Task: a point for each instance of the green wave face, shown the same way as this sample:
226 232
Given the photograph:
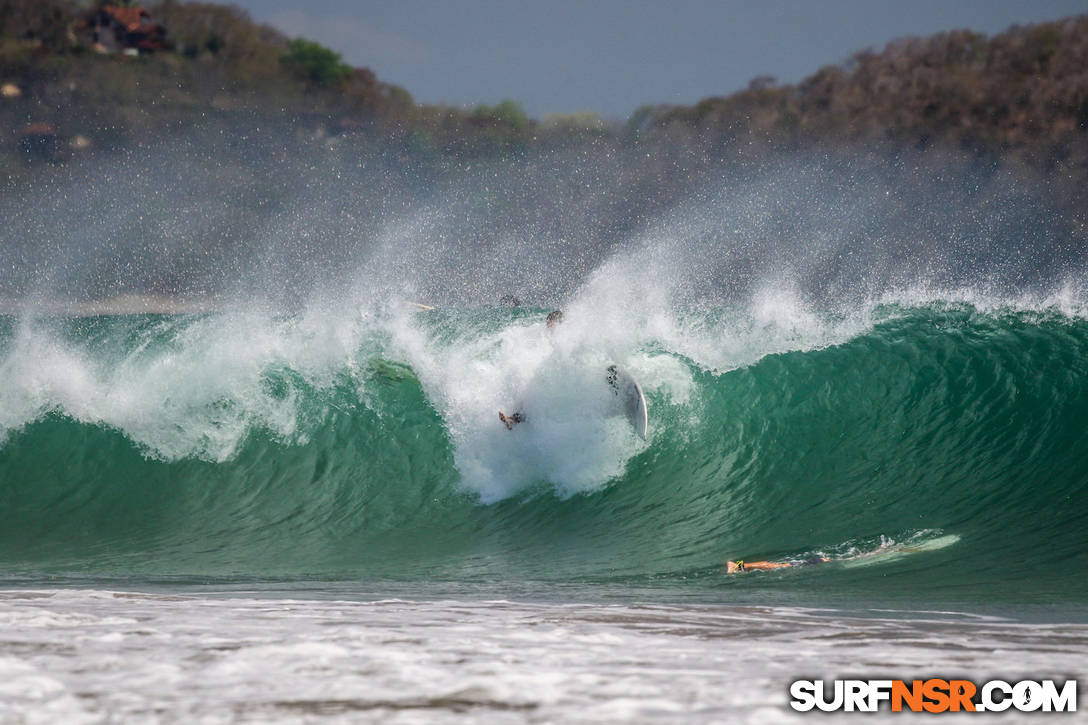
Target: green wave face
366 444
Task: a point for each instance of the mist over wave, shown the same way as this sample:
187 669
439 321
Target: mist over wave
839 228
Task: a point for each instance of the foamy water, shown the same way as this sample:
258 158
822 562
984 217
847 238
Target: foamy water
90 656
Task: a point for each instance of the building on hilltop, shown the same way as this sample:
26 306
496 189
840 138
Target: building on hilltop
112 29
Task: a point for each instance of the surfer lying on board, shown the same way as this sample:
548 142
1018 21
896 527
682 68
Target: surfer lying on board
554 318
735 567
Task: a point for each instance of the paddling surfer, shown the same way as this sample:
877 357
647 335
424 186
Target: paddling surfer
738 566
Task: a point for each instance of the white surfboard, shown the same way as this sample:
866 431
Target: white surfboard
885 554
629 392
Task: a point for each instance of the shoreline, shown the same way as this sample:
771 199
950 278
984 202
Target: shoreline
236 657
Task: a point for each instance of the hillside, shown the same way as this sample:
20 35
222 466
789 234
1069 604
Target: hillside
1024 91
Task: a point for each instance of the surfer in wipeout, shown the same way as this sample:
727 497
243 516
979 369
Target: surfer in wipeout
554 318
511 420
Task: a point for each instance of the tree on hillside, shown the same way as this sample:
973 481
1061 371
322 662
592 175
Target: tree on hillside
316 62
225 32
507 113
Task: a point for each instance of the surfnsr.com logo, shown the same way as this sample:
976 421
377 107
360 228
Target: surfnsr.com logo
933 695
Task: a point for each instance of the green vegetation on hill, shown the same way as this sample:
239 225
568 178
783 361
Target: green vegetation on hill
316 62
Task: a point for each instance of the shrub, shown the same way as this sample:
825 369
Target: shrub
316 62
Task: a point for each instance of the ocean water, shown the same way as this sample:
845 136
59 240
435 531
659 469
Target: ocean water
316 515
